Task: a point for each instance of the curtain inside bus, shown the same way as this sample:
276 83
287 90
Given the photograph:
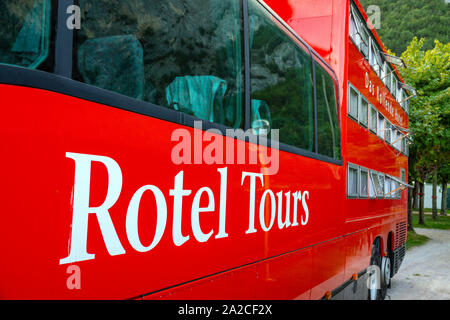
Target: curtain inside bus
191 54
24 32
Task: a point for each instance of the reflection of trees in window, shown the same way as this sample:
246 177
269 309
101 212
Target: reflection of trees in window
25 31
281 76
178 37
327 119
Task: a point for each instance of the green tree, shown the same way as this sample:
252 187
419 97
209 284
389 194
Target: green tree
428 72
401 20
444 177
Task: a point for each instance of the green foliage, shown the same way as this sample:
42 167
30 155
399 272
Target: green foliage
428 71
402 20
442 222
415 240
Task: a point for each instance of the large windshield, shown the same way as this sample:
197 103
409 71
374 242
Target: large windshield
24 32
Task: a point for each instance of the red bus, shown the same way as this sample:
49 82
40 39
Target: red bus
192 149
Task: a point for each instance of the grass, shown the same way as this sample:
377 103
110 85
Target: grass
442 222
415 240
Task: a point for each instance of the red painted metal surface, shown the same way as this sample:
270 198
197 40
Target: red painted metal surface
298 262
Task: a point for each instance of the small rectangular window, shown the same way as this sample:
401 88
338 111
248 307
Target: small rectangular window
353 102
380 126
373 118
381 183
403 144
393 187
363 182
397 141
363 111
387 187
387 79
397 190
383 72
378 183
372 186
387 135
352 180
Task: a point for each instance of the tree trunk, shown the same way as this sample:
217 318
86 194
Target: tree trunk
444 199
410 205
415 196
434 197
421 203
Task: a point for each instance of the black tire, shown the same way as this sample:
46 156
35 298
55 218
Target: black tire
380 294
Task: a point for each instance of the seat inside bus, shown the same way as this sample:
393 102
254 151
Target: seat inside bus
192 54
201 96
25 32
114 63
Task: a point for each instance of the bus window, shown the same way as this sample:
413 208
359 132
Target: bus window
25 32
353 102
388 132
281 77
363 111
373 119
381 126
352 180
327 119
185 54
364 182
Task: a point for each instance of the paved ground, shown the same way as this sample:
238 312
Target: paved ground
425 271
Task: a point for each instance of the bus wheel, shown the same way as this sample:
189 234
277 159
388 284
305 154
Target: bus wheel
386 272
378 284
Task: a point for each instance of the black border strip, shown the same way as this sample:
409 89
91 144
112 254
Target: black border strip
247 76
19 76
316 129
64 41
343 286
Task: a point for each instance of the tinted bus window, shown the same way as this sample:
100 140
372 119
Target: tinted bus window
329 141
181 54
24 32
280 79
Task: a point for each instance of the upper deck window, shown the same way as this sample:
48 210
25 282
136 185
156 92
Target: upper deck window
363 111
388 132
373 118
375 59
25 32
367 44
327 119
352 180
281 79
381 126
353 102
184 55
359 32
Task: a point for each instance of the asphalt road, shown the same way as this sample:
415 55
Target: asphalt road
425 271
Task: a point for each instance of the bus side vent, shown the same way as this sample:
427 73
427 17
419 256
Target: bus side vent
399 254
400 234
400 247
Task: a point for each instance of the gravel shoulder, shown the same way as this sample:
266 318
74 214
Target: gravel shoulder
425 271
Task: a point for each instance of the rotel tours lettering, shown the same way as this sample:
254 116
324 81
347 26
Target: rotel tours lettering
292 202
